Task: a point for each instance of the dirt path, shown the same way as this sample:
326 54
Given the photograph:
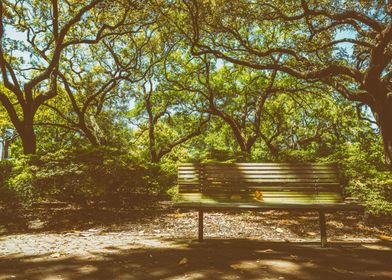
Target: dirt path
157 244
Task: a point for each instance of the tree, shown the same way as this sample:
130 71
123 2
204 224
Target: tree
91 79
29 66
345 45
240 97
164 109
249 91
95 78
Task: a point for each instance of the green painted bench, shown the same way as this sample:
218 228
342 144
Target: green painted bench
262 186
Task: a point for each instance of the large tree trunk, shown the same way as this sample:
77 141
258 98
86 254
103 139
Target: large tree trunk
383 116
89 135
28 137
385 124
25 127
154 157
387 138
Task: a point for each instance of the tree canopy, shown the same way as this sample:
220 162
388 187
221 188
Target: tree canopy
199 80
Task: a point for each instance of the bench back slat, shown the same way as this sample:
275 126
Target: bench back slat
278 182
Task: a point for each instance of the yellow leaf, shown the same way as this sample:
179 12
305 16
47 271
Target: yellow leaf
259 195
384 237
179 215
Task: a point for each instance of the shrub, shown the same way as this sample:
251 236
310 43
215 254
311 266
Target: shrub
6 194
85 176
366 176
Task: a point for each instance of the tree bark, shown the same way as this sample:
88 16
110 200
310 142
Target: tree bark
6 148
28 137
386 132
94 141
383 116
154 158
89 135
151 135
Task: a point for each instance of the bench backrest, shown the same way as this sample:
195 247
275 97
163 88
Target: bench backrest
273 182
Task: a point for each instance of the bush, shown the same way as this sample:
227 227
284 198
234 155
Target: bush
85 176
375 192
5 171
6 194
363 172
366 176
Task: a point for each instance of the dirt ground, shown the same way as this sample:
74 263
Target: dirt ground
157 242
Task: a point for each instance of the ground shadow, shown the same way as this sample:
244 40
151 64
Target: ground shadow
69 218
212 259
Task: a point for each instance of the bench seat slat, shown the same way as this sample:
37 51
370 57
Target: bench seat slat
267 198
264 189
271 206
225 164
235 183
208 166
265 171
225 177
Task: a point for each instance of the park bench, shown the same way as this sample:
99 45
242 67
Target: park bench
262 186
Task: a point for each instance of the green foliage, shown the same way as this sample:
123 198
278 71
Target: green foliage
6 194
366 176
21 181
84 176
173 193
375 192
146 101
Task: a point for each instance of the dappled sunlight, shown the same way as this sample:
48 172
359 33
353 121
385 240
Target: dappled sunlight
379 247
215 259
281 265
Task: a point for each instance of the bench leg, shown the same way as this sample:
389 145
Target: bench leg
323 229
200 225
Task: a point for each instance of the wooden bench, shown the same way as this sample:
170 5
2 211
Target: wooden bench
262 186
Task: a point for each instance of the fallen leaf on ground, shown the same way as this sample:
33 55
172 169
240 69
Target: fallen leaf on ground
183 261
87 269
293 257
384 237
235 266
179 215
311 233
267 251
340 270
279 230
